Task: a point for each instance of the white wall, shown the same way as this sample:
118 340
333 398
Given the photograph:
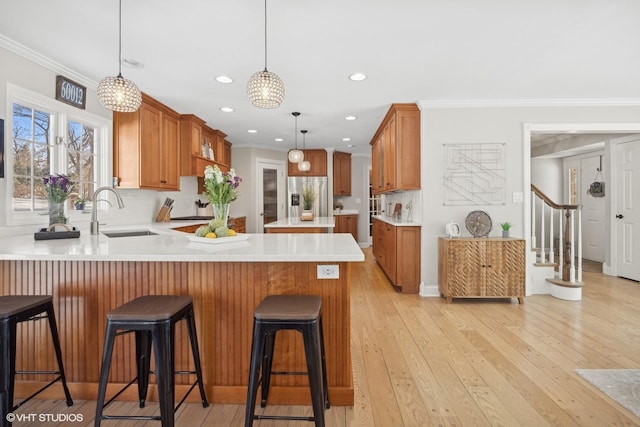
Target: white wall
466 125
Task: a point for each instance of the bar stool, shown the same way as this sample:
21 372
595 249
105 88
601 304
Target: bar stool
297 312
152 318
15 309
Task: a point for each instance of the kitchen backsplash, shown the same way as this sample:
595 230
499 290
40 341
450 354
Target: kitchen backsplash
414 198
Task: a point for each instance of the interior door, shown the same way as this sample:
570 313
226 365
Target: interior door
627 221
270 191
593 211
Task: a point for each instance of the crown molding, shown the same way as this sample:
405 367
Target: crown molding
501 103
37 58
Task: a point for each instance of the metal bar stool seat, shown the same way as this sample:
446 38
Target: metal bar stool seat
15 309
152 318
295 312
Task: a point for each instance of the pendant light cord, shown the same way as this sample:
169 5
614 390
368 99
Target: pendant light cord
120 40
265 35
296 133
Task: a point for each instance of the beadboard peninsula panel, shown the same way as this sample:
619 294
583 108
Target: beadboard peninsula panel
224 294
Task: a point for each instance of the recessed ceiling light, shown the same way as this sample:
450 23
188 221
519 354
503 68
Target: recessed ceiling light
252 131
346 139
357 77
278 139
132 63
226 109
350 118
350 145
224 79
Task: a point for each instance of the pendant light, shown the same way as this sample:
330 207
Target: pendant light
118 93
296 156
265 89
304 165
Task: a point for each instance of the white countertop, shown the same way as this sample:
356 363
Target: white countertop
294 222
170 245
337 212
397 222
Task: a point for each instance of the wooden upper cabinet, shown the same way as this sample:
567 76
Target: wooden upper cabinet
377 164
146 147
396 150
341 174
318 160
193 134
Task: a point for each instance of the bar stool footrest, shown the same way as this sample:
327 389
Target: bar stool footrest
282 417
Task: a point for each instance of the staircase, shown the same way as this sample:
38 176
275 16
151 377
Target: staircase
561 279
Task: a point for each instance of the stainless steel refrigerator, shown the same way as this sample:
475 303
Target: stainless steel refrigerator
319 184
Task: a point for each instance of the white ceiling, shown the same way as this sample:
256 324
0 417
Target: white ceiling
432 50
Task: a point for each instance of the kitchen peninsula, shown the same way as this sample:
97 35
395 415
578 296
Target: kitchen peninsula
93 274
319 224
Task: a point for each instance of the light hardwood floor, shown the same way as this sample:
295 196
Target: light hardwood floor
421 362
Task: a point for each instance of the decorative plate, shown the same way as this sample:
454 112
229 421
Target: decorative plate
478 223
219 240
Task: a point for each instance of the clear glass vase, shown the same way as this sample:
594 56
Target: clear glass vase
56 212
221 211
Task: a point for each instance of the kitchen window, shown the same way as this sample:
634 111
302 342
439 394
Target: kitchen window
48 137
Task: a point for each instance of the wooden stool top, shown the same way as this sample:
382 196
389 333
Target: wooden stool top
289 307
150 308
11 305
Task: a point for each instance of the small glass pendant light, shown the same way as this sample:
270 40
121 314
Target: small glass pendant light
305 165
296 156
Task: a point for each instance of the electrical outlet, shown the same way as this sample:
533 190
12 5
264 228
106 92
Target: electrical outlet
328 272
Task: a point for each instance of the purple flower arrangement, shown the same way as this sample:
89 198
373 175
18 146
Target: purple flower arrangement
222 188
58 187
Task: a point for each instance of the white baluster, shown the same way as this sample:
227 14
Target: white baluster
533 219
572 270
552 255
561 244
543 257
580 244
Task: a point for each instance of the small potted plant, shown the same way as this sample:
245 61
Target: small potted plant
506 226
79 203
308 197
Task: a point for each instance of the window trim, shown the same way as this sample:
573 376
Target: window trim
63 113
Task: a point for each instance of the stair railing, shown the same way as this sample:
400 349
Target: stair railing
570 218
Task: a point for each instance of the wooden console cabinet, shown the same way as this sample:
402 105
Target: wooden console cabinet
397 251
481 268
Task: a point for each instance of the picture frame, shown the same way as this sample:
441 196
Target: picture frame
397 209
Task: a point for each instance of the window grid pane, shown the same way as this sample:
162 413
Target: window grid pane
32 154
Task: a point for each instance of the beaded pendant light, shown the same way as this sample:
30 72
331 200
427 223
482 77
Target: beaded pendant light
118 93
304 165
265 89
296 156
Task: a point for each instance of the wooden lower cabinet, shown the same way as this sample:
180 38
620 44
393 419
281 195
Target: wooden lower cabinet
481 268
397 251
347 224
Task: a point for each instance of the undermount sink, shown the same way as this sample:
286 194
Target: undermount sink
129 233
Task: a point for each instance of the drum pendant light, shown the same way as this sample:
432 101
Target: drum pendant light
118 93
305 165
296 156
265 89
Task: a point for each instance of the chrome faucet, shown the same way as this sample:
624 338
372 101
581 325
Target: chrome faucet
95 226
